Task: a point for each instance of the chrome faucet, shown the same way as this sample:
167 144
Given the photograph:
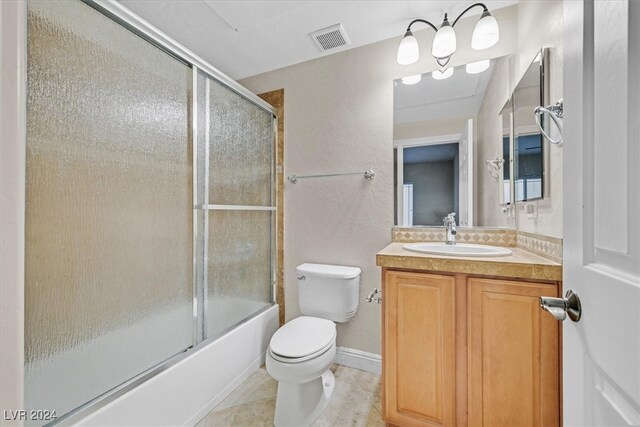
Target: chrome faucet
450 224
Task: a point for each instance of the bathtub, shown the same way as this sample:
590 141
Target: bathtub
185 392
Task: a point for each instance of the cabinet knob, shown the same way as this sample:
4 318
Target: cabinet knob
561 307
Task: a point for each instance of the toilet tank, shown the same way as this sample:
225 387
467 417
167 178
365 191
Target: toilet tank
328 291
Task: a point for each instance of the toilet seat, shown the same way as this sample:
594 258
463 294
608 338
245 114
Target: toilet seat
302 338
285 359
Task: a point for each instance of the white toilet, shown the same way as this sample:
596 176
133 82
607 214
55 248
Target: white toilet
301 352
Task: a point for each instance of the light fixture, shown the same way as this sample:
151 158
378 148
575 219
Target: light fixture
441 75
408 51
477 67
444 42
485 34
411 80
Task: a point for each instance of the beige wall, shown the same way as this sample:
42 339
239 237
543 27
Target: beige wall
540 24
339 118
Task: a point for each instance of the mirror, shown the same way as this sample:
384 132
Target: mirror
529 149
506 114
450 151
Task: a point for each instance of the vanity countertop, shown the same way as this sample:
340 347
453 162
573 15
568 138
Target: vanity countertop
521 264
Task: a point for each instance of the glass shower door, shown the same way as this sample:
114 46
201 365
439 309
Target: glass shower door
109 264
236 141
138 248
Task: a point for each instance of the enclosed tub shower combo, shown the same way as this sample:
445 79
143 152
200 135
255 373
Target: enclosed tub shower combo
150 217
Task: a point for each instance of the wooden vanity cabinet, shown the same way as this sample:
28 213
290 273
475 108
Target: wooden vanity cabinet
419 349
461 350
513 352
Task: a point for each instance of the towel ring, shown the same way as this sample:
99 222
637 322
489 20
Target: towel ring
555 112
494 166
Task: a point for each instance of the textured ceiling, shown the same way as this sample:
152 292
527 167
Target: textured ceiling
245 38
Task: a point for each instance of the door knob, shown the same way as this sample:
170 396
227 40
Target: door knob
560 307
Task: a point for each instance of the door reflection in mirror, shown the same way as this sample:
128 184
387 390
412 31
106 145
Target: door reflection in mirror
430 183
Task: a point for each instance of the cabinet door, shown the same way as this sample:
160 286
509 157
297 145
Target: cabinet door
418 349
513 355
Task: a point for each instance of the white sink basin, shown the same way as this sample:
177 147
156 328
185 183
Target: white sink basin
459 249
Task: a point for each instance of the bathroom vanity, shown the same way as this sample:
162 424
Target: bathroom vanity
464 341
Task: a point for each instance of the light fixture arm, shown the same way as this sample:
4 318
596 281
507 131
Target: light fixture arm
484 9
442 62
424 22
485 34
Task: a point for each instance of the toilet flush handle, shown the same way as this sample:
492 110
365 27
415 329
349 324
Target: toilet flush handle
372 296
302 278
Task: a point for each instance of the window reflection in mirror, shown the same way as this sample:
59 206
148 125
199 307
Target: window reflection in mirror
528 168
444 131
506 175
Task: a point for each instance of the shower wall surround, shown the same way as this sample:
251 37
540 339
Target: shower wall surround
276 99
116 215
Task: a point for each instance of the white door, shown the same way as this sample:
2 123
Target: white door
407 213
465 183
601 352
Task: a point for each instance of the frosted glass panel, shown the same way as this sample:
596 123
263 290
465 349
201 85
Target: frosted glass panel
241 140
109 206
202 136
239 267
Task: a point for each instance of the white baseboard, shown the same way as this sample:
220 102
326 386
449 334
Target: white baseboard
357 359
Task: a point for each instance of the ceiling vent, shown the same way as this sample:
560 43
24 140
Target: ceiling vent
330 38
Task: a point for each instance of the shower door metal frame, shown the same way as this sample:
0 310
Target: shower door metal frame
142 28
118 13
206 207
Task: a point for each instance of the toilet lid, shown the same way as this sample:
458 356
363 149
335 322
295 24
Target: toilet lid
303 336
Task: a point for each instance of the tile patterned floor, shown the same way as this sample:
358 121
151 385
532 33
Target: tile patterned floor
355 402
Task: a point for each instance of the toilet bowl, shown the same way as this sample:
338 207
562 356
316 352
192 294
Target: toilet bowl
301 352
299 357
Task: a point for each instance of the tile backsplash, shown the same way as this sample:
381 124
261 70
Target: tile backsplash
545 246
480 236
